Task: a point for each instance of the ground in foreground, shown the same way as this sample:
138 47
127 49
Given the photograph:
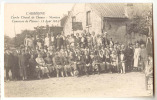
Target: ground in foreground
103 85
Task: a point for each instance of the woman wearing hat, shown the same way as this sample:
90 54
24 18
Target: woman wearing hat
41 64
34 71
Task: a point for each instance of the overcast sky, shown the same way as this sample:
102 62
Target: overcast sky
54 10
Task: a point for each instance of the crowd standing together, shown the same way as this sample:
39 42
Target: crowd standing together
74 55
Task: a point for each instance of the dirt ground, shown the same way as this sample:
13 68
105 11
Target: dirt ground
103 85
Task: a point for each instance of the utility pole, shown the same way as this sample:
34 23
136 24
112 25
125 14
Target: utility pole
15 34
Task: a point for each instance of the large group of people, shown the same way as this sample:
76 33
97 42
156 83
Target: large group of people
74 55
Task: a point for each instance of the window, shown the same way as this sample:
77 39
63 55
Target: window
73 19
129 4
88 18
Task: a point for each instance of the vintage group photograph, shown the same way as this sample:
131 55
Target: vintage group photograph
78 50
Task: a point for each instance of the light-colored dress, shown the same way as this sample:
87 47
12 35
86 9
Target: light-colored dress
136 56
41 65
47 42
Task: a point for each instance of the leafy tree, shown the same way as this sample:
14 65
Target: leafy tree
8 42
19 39
140 20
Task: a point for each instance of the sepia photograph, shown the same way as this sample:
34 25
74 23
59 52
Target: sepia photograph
78 50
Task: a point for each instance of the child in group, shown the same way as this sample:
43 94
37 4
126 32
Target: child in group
114 61
76 72
122 59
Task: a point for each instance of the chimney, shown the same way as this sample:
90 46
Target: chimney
128 10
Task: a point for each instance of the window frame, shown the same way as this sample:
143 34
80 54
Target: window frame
88 18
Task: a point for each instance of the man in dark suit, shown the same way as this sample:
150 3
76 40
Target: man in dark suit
59 39
77 40
7 63
129 57
15 67
80 62
87 63
23 63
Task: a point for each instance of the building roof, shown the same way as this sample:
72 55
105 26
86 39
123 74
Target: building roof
113 10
